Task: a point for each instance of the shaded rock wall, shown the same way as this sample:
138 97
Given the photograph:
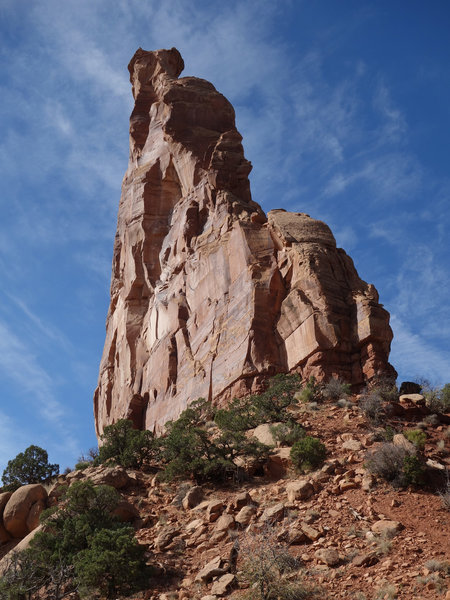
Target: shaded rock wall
208 295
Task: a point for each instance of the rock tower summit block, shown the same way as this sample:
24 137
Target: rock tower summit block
208 295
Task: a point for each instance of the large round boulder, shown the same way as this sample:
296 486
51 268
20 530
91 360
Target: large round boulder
4 497
4 535
18 507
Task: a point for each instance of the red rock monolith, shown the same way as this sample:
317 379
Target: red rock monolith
208 295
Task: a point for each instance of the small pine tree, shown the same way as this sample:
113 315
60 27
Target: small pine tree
308 453
189 449
112 564
30 466
126 446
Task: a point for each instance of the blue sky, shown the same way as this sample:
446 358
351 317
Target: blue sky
344 108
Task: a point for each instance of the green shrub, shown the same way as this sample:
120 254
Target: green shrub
191 450
85 461
445 397
30 466
80 466
22 577
308 453
335 389
386 388
385 434
81 531
372 405
396 465
416 437
438 400
238 416
270 406
126 446
287 433
413 470
268 567
311 391
66 531
112 564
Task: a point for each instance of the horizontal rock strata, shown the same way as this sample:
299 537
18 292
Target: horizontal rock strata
209 295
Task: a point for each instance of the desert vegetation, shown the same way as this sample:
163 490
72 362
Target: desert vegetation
29 466
83 550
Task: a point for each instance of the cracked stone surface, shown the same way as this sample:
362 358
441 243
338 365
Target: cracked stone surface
208 295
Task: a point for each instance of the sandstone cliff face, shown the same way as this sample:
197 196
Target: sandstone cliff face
207 294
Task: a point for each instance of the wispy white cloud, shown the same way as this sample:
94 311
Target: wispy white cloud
36 387
20 364
58 119
346 236
414 357
389 177
394 123
48 331
13 439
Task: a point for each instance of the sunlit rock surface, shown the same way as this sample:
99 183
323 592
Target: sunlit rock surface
208 295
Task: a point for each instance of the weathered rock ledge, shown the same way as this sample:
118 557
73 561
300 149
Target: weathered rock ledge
208 295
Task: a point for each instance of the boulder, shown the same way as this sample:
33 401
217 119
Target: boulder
352 445
18 508
400 441
415 398
301 489
165 537
22 545
386 527
214 510
409 388
116 476
224 584
4 535
242 500
273 513
264 434
4 497
195 524
311 533
245 515
434 464
366 559
295 535
34 514
328 556
213 569
224 523
193 497
278 463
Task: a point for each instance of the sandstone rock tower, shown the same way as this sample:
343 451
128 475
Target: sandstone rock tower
208 295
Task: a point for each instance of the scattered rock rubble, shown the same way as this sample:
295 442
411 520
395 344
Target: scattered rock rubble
350 532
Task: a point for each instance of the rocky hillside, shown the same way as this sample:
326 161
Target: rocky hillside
208 295
353 534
